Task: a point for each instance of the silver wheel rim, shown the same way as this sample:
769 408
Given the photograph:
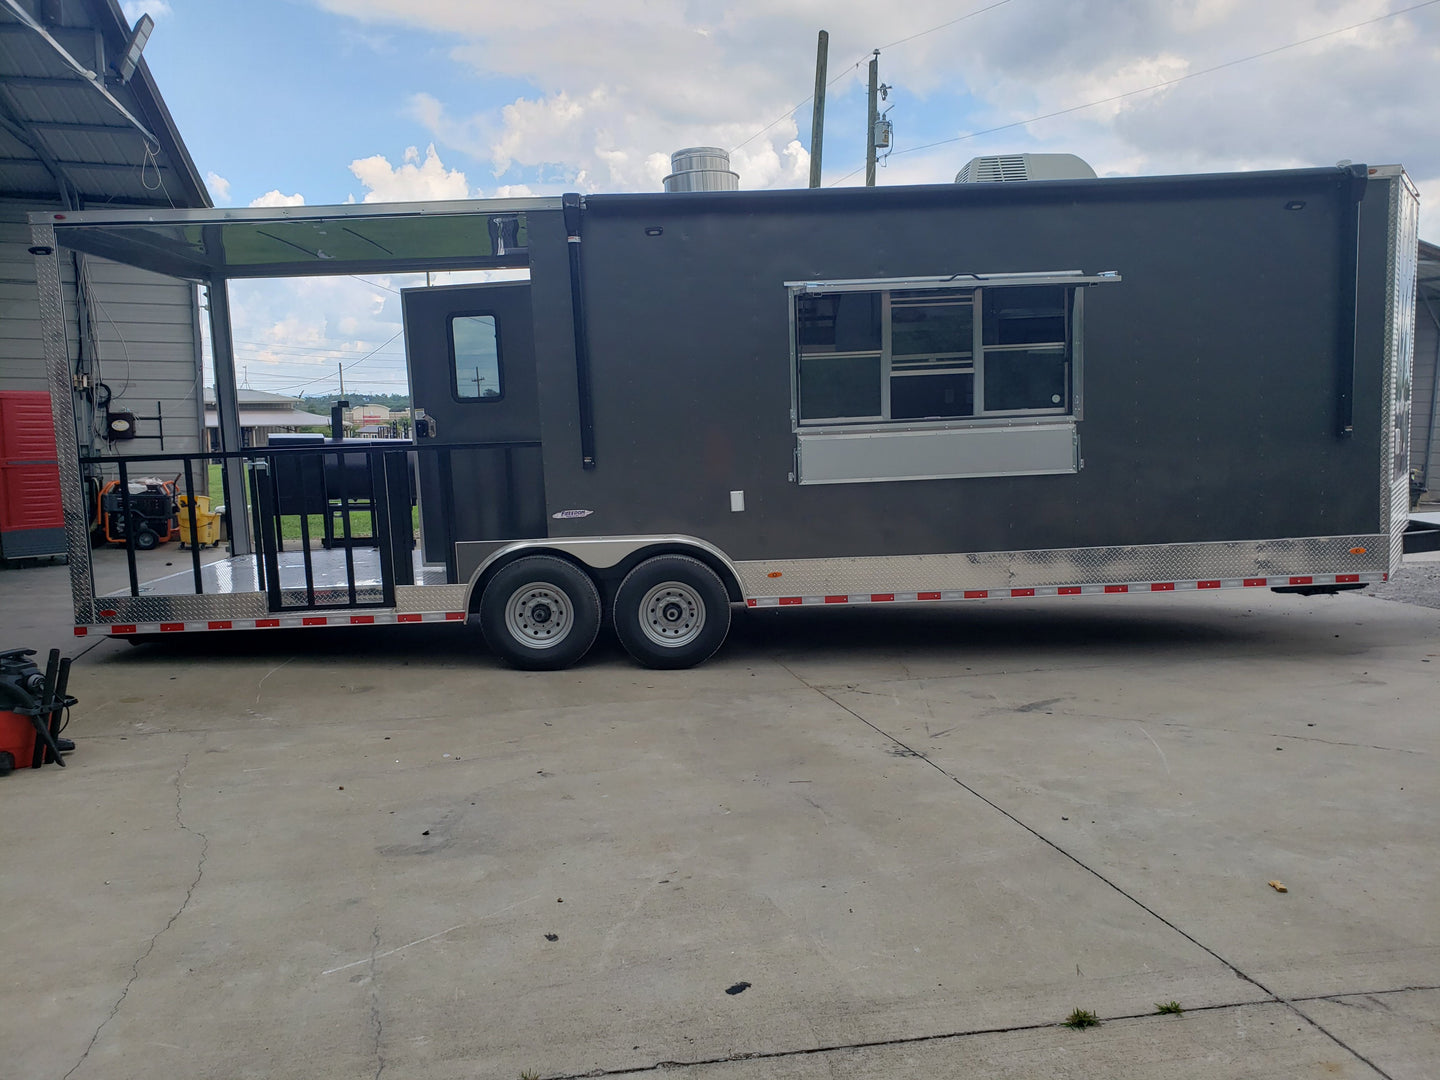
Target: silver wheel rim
539 615
672 614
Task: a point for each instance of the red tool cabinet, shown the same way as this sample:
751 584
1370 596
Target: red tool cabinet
32 523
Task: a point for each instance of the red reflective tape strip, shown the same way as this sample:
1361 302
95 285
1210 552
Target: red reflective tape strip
454 616
1117 588
218 624
266 624
1341 579
415 617
837 599
81 631
976 594
361 620
1163 586
1302 581
1069 590
881 597
927 596
314 620
1022 592
1207 585
788 601
170 627
1251 582
750 603
123 628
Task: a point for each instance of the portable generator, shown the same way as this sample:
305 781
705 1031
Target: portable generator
152 520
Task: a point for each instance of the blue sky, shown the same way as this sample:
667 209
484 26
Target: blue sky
324 101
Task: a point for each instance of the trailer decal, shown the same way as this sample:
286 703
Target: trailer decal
1066 590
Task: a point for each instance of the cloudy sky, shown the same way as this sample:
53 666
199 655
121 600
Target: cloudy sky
328 101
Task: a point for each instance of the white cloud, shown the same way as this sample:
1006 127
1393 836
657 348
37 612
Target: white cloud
275 198
156 9
619 86
219 187
415 180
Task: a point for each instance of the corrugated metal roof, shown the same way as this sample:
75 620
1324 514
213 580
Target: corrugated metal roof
56 128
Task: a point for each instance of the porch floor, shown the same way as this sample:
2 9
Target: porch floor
167 571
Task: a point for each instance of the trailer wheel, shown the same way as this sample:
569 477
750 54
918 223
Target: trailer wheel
672 611
540 613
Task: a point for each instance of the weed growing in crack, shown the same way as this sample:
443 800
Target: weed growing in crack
1172 1007
529 1074
1082 1018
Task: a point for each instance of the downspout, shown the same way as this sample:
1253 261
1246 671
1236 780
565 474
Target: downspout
571 204
1352 190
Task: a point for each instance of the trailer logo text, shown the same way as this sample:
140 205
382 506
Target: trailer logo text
564 514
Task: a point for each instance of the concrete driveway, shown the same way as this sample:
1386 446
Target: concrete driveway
869 843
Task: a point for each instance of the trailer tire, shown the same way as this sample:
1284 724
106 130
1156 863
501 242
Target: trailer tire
672 611
540 613
145 539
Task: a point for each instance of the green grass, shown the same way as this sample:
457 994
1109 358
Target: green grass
1082 1018
361 523
1171 1007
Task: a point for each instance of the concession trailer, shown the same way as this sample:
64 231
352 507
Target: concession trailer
794 398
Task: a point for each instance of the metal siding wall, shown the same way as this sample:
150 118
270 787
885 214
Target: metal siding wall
1210 373
146 337
22 352
146 341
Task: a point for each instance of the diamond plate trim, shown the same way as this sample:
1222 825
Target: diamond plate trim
1400 273
1065 566
430 597
62 411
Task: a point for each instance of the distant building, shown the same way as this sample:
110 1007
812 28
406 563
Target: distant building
260 415
367 415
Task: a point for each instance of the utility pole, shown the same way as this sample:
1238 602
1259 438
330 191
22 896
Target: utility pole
871 119
340 367
817 118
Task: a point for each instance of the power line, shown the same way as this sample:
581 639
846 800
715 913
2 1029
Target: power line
1155 86
367 356
863 59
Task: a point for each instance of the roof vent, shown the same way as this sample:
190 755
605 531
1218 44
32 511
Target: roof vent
1000 168
701 168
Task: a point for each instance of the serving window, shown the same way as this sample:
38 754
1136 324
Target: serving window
936 353
932 378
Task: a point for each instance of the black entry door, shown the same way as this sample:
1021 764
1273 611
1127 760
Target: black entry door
471 353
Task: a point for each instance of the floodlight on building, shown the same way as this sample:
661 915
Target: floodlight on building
135 46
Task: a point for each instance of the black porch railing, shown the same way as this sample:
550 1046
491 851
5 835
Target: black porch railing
334 481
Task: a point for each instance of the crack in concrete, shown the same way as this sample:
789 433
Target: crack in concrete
1094 873
912 1040
377 1022
190 892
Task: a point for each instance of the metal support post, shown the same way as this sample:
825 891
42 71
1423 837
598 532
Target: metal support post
227 407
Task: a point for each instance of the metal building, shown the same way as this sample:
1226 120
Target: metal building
76 133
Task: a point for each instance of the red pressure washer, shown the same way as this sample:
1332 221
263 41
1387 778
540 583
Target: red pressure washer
32 710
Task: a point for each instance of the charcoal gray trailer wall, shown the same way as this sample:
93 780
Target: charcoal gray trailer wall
1213 378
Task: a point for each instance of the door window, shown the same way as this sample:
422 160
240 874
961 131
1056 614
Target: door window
475 352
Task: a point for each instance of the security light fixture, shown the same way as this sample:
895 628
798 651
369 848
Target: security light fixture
135 46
